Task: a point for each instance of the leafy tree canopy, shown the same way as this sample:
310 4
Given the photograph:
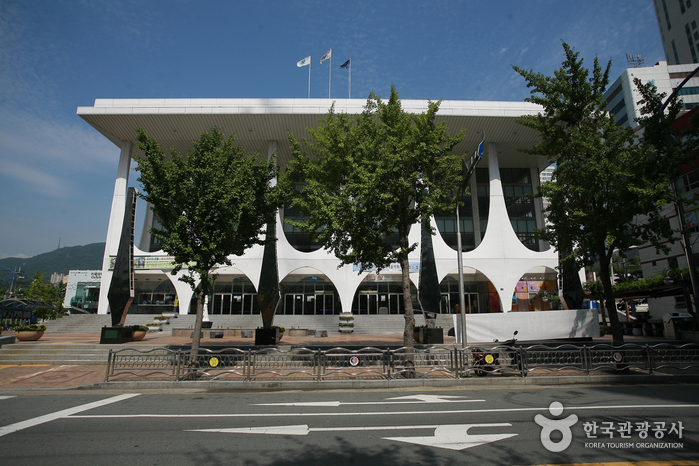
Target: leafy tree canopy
39 290
370 177
213 203
608 187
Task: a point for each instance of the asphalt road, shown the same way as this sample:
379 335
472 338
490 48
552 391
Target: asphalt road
497 426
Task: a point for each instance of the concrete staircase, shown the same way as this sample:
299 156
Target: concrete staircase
65 354
363 324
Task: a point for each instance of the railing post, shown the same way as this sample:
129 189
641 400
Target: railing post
390 360
586 360
649 359
248 364
317 362
109 365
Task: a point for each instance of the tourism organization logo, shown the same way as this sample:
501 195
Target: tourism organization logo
645 434
549 426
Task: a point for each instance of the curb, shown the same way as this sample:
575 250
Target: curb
470 382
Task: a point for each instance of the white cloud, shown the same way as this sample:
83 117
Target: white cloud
34 179
48 155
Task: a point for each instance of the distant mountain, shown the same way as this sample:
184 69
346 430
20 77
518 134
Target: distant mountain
62 260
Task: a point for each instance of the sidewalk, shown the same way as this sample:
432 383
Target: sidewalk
52 377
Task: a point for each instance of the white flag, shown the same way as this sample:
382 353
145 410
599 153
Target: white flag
304 62
326 56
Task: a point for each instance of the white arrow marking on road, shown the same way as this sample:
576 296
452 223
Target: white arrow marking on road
411 399
452 437
7 397
432 398
372 413
62 414
455 437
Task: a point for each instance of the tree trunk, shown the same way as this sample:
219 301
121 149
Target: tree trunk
617 333
196 336
408 303
572 288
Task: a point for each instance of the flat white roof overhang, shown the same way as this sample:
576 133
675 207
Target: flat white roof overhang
175 123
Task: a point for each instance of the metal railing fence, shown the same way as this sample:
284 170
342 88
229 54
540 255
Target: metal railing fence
376 363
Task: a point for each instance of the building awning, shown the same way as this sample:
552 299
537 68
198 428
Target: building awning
20 308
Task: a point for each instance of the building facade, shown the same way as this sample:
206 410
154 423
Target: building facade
83 290
678 21
622 101
505 267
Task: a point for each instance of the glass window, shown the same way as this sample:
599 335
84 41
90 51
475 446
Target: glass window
517 188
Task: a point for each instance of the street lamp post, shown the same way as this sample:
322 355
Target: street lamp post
13 278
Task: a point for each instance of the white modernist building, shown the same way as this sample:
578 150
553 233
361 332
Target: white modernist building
505 267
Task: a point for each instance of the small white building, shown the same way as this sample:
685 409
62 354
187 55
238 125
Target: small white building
83 290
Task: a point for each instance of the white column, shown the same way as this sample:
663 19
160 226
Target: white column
538 212
116 220
183 290
473 185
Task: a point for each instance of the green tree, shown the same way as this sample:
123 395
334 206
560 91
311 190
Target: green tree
38 290
369 178
604 180
212 203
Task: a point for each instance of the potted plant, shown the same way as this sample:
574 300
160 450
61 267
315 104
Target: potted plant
139 332
281 331
31 332
346 322
154 326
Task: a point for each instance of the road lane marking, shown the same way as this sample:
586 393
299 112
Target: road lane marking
412 399
7 397
630 463
378 413
451 436
61 414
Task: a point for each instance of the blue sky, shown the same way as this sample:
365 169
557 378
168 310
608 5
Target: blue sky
57 173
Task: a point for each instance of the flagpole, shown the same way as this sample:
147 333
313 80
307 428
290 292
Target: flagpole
309 79
350 79
330 75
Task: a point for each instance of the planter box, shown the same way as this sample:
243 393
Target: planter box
116 335
267 336
29 335
429 336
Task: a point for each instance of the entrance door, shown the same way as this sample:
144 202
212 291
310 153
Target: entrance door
293 304
248 300
222 303
445 304
324 304
368 303
472 303
395 304
448 303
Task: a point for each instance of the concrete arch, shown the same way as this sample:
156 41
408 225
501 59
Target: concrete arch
306 290
535 289
475 282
